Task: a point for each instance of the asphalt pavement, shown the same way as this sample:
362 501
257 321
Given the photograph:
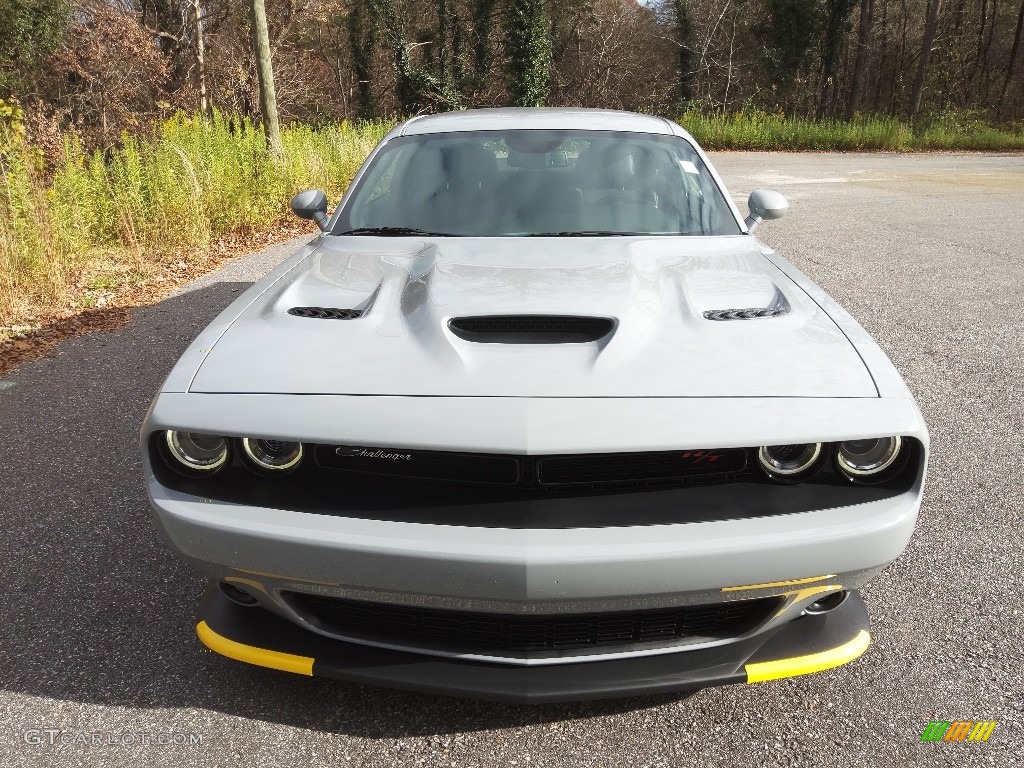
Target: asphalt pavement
99 663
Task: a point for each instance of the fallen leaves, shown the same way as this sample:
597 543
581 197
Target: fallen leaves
34 334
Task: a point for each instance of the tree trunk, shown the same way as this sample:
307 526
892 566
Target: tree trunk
361 40
684 35
860 62
392 20
985 65
982 25
528 43
837 16
197 20
1013 60
483 14
447 31
265 72
899 63
931 23
883 57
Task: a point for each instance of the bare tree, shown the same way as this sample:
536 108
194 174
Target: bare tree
860 62
1013 60
931 24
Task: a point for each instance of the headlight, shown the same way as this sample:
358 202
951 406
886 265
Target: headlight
788 460
272 455
196 452
863 458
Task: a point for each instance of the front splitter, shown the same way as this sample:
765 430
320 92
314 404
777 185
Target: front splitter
808 644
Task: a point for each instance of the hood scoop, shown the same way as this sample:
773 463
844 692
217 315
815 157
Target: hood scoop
531 329
326 313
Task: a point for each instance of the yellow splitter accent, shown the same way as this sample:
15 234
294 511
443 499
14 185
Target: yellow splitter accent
805 665
789 583
286 662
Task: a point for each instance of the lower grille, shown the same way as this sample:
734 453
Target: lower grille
525 472
625 467
470 631
421 465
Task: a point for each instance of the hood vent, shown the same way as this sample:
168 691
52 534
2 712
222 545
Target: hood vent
531 329
745 314
326 313
776 307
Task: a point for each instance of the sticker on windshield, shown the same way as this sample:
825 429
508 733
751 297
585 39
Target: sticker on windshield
689 167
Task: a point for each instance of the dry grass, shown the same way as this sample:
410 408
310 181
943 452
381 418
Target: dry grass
102 226
111 299
757 130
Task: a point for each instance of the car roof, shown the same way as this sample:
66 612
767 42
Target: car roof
535 118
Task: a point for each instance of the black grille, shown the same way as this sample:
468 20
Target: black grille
422 465
533 471
514 633
621 467
326 313
745 314
531 329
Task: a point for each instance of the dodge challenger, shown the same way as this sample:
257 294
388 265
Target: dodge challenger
536 417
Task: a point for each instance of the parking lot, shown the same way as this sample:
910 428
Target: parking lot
97 646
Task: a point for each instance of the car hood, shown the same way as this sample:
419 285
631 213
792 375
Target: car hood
655 292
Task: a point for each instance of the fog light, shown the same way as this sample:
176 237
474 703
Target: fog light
863 458
828 603
272 455
237 594
788 460
196 452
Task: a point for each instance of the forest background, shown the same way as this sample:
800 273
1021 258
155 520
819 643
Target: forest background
130 155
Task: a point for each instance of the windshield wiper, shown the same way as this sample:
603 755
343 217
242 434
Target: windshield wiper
586 233
395 232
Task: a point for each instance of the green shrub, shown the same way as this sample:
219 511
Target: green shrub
757 130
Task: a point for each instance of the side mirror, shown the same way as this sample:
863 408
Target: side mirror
765 204
311 204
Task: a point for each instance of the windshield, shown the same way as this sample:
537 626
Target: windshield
534 183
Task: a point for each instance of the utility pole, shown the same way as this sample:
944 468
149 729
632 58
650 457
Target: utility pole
197 19
268 99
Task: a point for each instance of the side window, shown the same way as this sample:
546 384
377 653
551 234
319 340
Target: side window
704 202
378 181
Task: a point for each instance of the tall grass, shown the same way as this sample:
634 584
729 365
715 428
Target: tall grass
757 130
150 199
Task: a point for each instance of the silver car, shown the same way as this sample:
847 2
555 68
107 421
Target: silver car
535 417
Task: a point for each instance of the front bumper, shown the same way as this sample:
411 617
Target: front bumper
532 570
804 645
690 559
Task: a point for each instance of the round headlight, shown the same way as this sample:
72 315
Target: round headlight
861 458
272 455
788 460
197 452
